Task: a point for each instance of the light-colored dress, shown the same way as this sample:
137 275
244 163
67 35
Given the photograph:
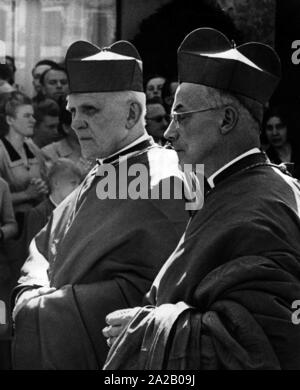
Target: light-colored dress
15 171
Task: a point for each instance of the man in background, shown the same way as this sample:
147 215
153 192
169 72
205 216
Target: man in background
46 114
156 120
39 68
54 83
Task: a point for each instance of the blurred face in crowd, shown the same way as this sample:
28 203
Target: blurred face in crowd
169 100
11 66
173 87
65 183
193 136
36 74
156 120
47 130
276 132
154 87
23 121
70 132
55 84
99 121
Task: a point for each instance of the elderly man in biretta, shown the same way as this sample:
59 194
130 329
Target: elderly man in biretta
107 240
227 296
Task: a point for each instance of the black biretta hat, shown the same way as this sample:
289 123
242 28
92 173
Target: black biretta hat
114 68
207 57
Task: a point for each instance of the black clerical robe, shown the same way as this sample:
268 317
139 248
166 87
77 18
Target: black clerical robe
100 255
36 219
224 298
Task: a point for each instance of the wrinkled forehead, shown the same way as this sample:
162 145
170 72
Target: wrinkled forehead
189 95
92 98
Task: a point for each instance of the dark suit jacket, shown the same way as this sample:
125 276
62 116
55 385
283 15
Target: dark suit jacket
37 218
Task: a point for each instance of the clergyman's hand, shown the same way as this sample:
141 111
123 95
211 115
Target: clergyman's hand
27 295
117 321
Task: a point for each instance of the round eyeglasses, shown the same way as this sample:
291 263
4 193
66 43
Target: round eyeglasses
177 117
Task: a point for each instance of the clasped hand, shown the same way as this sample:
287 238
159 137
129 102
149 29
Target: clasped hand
117 321
37 187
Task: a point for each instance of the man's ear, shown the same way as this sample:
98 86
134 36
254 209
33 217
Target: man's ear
133 115
229 120
9 119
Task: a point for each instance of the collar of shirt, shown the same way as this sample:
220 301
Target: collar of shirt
136 142
211 178
52 201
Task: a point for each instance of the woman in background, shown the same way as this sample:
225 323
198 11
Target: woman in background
279 147
21 161
154 85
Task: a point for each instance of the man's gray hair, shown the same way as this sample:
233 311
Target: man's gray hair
134 96
251 111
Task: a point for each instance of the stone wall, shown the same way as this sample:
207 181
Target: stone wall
255 18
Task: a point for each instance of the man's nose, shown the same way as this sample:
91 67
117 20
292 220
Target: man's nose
171 133
59 85
78 123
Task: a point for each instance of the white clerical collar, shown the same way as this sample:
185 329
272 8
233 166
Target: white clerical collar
212 177
52 201
136 142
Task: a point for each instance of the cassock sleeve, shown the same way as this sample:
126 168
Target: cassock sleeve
241 318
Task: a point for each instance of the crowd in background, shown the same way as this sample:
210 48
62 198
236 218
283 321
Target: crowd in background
41 161
36 135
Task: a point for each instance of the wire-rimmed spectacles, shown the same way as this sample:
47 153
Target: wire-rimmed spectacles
177 116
